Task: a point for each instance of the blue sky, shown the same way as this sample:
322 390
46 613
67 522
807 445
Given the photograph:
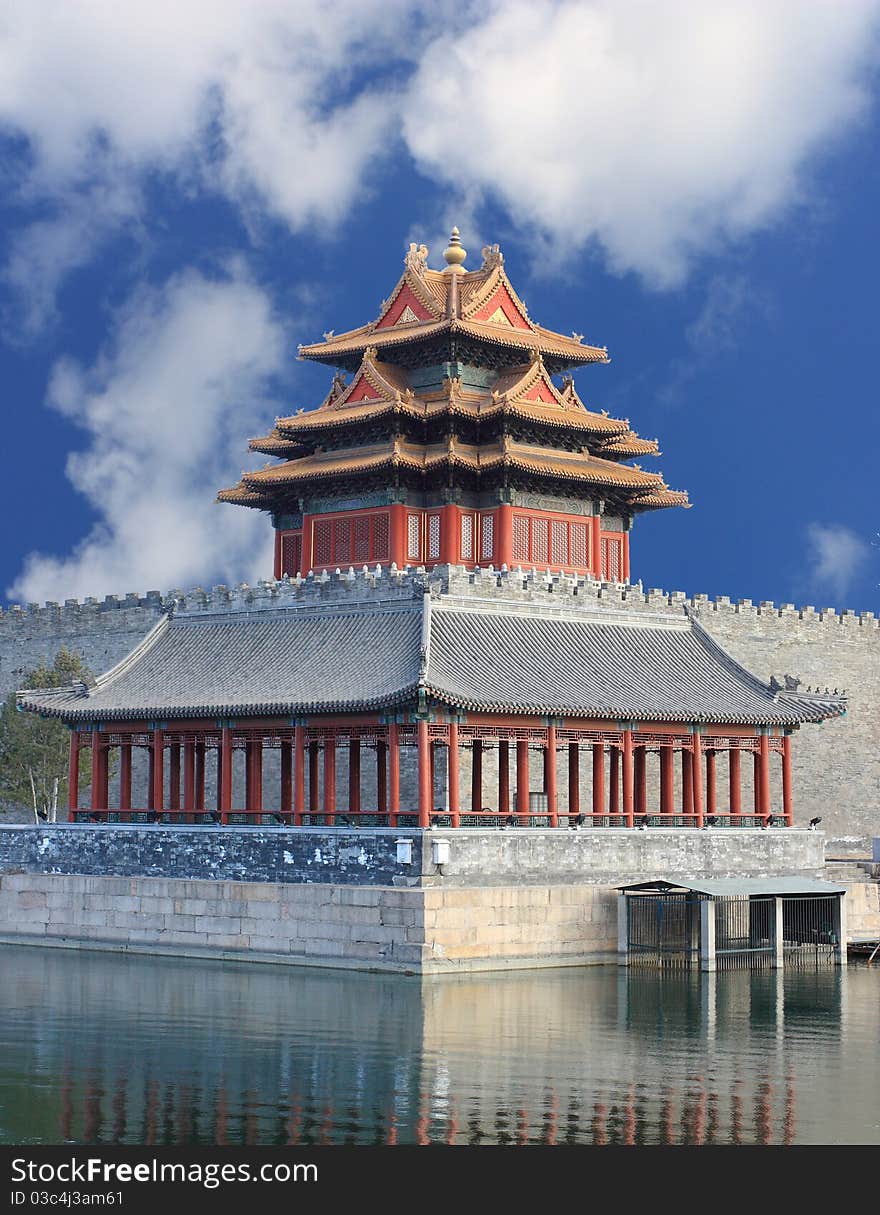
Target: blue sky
190 191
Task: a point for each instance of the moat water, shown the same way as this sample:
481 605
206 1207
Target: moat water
102 1048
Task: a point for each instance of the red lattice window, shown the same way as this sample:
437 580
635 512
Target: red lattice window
487 537
413 537
380 537
291 553
361 539
323 541
520 538
434 537
612 565
540 542
559 542
578 546
467 537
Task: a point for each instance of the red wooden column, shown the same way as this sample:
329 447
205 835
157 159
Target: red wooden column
697 779
522 777
354 776
299 774
125 776
393 773
277 563
687 784
614 780
503 776
100 792
765 773
711 794
425 791
255 776
225 773
640 780
201 757
452 777
382 777
598 778
330 779
189 776
628 801
734 783
786 781
574 780
596 545
174 776
756 781
450 534
477 776
73 777
286 803
158 789
504 535
667 780
550 776
624 558
397 535
313 776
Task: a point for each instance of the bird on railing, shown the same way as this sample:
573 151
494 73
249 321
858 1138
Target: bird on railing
769 821
814 822
94 818
215 817
279 819
644 822
510 821
711 820
152 816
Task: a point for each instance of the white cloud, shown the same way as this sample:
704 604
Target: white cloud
166 408
656 130
836 555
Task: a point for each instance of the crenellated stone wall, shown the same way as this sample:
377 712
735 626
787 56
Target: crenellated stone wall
836 765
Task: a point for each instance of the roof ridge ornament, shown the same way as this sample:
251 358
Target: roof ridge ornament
454 254
417 258
492 257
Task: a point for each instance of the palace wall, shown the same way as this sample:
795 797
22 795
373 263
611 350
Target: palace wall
836 765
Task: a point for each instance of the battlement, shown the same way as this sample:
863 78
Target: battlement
128 611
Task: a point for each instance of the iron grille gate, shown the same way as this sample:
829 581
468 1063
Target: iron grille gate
744 932
663 930
809 929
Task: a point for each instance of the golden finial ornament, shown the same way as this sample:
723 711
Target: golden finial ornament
454 255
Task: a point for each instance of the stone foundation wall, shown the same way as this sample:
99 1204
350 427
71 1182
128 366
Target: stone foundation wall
418 931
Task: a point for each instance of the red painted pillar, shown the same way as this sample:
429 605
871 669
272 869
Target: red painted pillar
452 777
125 776
765 773
286 802
522 777
73 777
640 780
756 771
397 535
330 779
299 774
158 790
189 776
201 757
614 780
711 796
624 557
225 765
450 535
382 777
734 783
503 776
628 801
550 770
255 776
687 784
100 791
425 791
432 752
504 536
313 777
697 779
477 776
393 773
598 778
174 776
667 780
354 776
277 565
786 781
574 780
596 545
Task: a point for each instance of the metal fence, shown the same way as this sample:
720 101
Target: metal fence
744 932
809 930
663 930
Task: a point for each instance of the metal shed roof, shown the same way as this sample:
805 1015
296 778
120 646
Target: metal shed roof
719 887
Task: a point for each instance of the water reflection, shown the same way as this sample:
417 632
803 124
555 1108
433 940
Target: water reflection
106 1049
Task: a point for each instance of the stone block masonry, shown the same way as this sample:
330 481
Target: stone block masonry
836 766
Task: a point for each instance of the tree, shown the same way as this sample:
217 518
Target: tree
34 750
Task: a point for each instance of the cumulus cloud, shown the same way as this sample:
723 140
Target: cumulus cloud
657 131
836 555
187 374
653 132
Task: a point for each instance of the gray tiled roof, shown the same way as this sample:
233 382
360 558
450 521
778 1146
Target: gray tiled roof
478 654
